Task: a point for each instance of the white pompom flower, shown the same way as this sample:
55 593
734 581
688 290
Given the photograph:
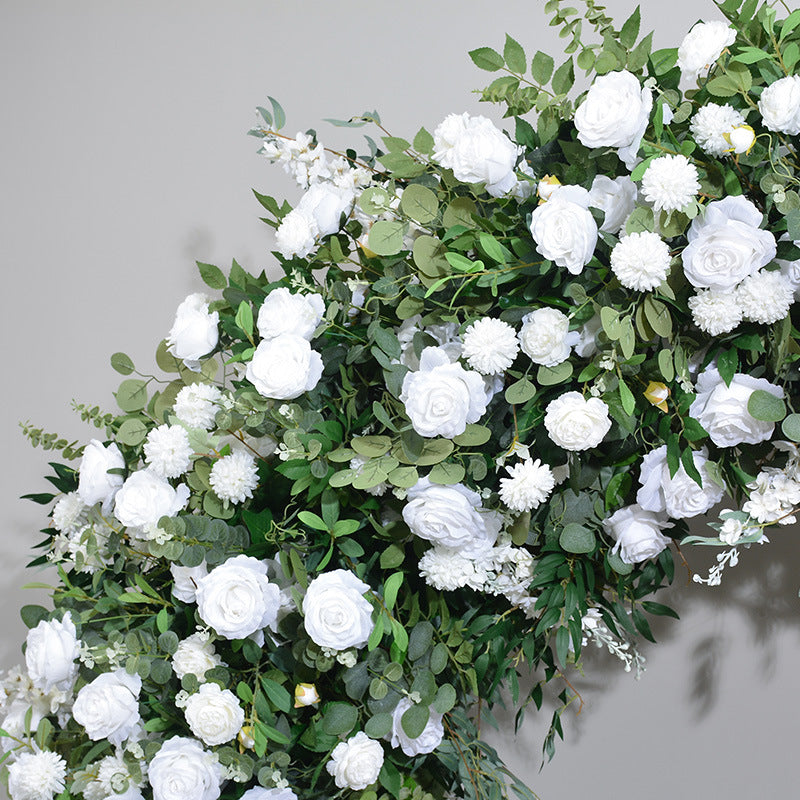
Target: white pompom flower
529 484
196 405
69 513
670 183
234 478
765 297
167 451
37 776
641 261
446 569
715 312
710 125
490 346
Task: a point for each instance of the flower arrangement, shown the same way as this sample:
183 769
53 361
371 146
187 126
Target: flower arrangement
458 440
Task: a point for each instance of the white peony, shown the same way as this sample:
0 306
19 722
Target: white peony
356 763
641 261
237 599
336 613
325 203
51 652
490 346
196 405
213 714
195 656
670 182
194 333
430 738
144 498
183 770
615 113
184 580
779 105
564 230
702 46
615 198
726 245
284 312
108 707
679 496
637 533
167 451
36 776
477 152
575 423
234 477
95 483
529 484
711 123
441 398
284 367
722 410
296 236
545 336
765 297
715 311
451 516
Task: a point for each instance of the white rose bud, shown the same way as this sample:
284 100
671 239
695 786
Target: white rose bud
108 707
356 763
52 647
336 613
702 46
575 423
285 367
144 498
637 533
183 770
194 333
741 139
780 105
284 312
426 742
214 714
95 484
305 694
546 186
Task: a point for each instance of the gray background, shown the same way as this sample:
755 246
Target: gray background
124 159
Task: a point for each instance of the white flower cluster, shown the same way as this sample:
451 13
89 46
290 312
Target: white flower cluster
774 495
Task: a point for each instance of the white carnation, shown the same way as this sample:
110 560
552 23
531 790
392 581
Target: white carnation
284 312
490 345
670 182
780 105
196 405
36 776
69 513
356 763
715 312
234 478
529 484
702 46
447 569
765 297
167 451
710 124
296 236
545 336
195 655
575 423
641 261
213 714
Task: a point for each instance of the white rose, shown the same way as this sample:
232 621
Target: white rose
586 346
184 580
637 533
95 484
183 770
356 763
284 367
260 793
615 113
296 236
564 230
325 203
52 647
726 245
616 198
575 423
17 724
426 742
195 656
679 496
452 517
284 312
336 613
442 397
477 152
722 410
108 707
144 498
214 714
194 333
545 336
237 599
702 46
780 105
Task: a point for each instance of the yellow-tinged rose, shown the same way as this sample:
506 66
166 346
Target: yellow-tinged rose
547 185
741 139
305 694
657 393
245 737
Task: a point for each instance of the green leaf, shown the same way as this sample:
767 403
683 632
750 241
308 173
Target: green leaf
765 407
665 364
32 615
658 316
789 24
687 462
791 427
423 142
371 446
414 720
542 67
487 59
461 211
420 640
278 114
122 363
492 248
473 436
618 565
132 395
279 696
132 432
564 77
626 398
391 588
609 318
445 699
386 238
659 609
727 364
244 318
576 538
751 55
562 644
722 86
550 376
339 718
630 30
514 55
212 276
429 256
447 473
520 392
419 203
379 725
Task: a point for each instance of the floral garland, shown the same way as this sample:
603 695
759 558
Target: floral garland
458 440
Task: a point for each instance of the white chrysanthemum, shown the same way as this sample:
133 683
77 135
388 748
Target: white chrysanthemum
490 345
446 569
234 477
670 183
167 451
357 464
765 297
69 513
710 124
36 776
528 486
297 234
715 312
641 261
197 405
112 775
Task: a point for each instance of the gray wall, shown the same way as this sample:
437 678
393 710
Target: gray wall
124 159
